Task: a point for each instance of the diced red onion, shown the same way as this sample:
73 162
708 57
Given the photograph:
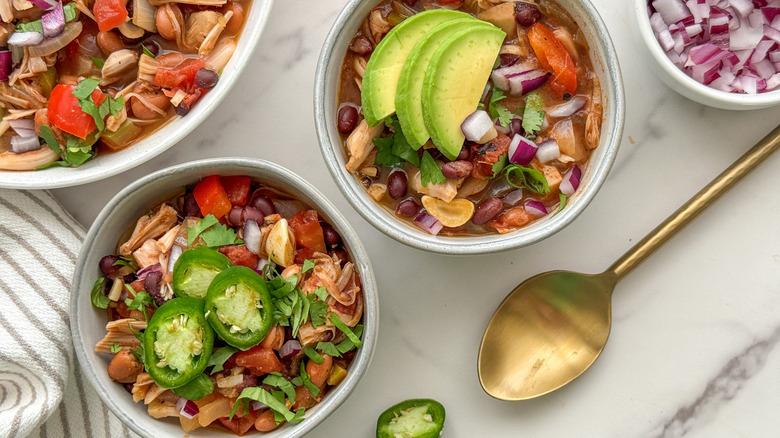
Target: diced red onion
187 408
24 127
671 11
476 125
571 181
5 64
568 108
21 39
53 21
501 75
770 13
176 251
290 348
148 270
521 150
548 151
428 223
771 33
536 208
44 4
21 144
252 236
501 128
522 83
513 197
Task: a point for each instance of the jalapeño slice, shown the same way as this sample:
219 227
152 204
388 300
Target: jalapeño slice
239 307
177 342
195 269
416 418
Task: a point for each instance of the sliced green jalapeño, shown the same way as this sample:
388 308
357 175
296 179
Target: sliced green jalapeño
195 269
239 307
416 418
177 342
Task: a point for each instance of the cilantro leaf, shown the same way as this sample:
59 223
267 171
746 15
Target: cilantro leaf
307 381
328 348
318 310
219 357
196 388
430 171
77 153
343 327
401 146
277 380
48 137
124 261
313 355
138 352
99 299
201 226
257 393
321 292
116 348
141 300
533 115
385 156
300 311
308 265
85 88
498 166
98 62
529 178
220 235
498 111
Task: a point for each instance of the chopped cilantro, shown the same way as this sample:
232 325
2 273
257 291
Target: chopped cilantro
99 299
562 204
385 156
257 393
201 226
498 166
321 292
533 115
307 381
430 171
277 380
347 344
328 348
116 348
85 88
138 352
313 355
343 327
48 137
98 62
219 357
141 300
393 150
529 178
498 111
308 265
220 235
318 310
124 261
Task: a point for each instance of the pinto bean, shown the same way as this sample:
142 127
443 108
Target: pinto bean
487 210
234 25
142 112
319 372
109 42
274 339
124 367
265 421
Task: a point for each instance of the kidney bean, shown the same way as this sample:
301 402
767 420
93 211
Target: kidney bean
526 14
407 208
108 267
397 183
457 169
361 46
182 109
253 214
191 208
347 119
235 216
206 78
332 238
264 205
487 210
464 154
152 287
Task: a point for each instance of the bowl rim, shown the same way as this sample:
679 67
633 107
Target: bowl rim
163 138
724 99
382 220
296 186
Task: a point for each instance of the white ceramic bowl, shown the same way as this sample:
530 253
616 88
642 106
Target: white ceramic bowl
606 66
685 85
88 323
106 165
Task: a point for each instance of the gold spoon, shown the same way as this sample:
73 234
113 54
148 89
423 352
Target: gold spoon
554 325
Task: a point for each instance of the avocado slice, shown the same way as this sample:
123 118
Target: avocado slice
408 97
455 81
384 67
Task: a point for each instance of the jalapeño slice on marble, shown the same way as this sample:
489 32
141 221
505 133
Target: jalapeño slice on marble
415 418
177 342
239 307
195 269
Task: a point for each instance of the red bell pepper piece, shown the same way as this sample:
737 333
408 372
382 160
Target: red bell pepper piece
65 113
554 57
109 14
308 231
211 197
237 189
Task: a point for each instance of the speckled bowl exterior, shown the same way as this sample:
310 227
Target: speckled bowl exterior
107 165
683 84
325 109
88 323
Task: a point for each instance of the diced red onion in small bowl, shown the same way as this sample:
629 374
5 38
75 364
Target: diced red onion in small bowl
428 223
535 208
290 348
21 144
521 150
548 150
478 126
53 21
187 408
21 39
568 108
513 197
175 254
252 236
571 181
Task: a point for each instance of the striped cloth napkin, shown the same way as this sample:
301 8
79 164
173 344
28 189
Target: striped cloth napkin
39 242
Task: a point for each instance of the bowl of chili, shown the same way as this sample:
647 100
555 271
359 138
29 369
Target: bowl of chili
208 284
558 123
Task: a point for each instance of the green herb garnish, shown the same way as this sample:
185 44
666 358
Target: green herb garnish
219 357
527 178
430 171
533 115
277 380
343 327
313 355
99 299
562 204
116 348
196 389
308 265
259 394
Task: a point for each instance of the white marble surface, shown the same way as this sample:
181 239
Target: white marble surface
694 346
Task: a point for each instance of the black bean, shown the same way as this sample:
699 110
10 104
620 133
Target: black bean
151 46
487 210
332 238
253 214
361 46
206 78
182 109
347 119
191 208
457 169
264 205
235 217
526 14
408 208
397 183
152 287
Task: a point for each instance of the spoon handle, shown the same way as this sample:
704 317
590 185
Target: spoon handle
688 212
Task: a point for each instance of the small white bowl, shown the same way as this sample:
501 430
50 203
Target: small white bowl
326 84
107 165
88 323
685 85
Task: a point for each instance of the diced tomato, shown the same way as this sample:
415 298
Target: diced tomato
182 76
240 425
211 197
486 155
65 113
237 189
240 256
308 231
511 220
109 13
137 286
302 254
259 361
554 57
